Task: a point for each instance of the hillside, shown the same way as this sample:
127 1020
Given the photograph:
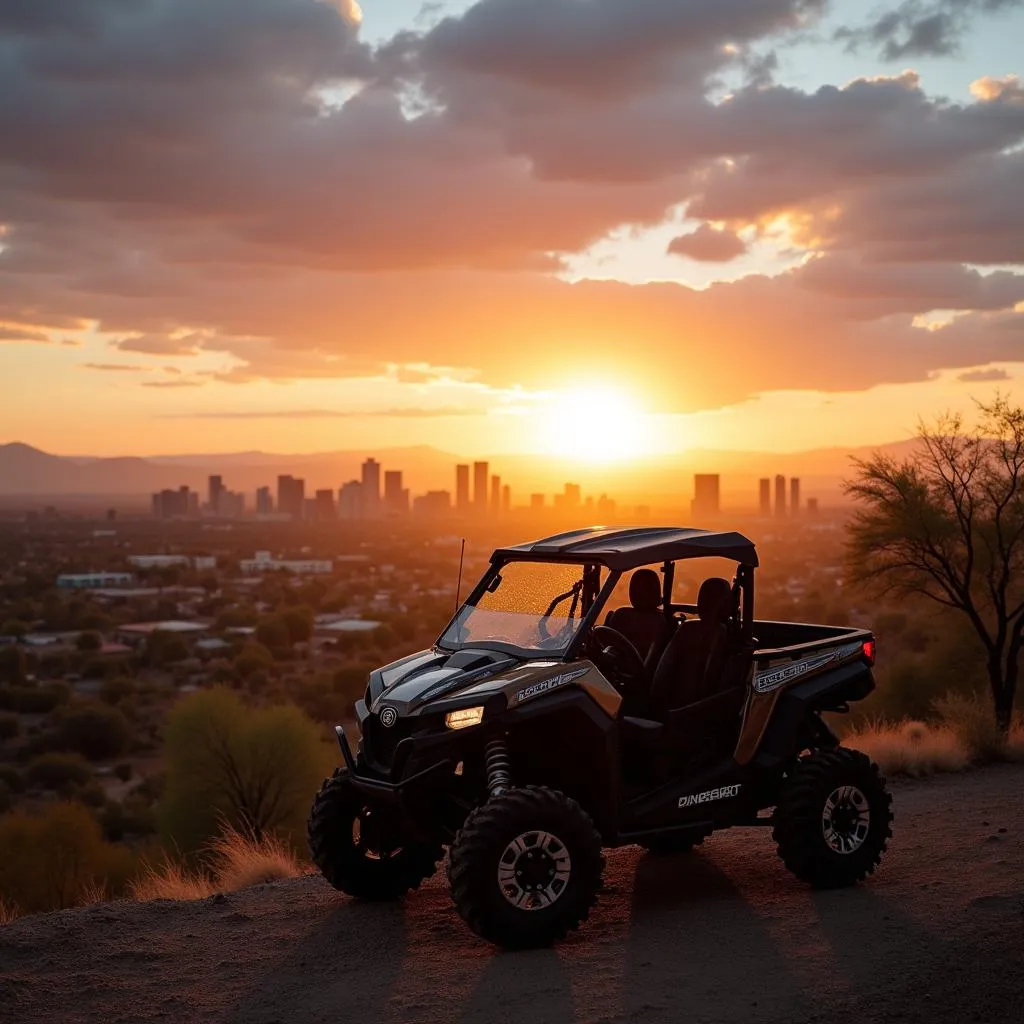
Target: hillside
722 936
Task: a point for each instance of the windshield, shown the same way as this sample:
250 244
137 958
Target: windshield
528 606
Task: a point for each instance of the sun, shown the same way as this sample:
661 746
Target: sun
595 424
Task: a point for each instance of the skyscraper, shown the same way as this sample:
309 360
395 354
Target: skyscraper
536 501
495 495
371 487
291 496
707 491
325 510
462 489
506 498
572 495
214 491
766 497
350 500
396 497
264 502
780 497
481 472
794 496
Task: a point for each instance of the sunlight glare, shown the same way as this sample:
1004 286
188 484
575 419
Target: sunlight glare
595 424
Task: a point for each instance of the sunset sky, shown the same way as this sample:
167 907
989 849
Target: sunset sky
577 227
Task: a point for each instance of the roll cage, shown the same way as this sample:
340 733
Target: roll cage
619 552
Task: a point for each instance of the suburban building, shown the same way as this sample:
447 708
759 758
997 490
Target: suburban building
93 580
263 562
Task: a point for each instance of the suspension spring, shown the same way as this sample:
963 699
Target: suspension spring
499 767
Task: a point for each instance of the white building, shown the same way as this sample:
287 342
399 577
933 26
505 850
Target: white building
93 580
262 562
167 561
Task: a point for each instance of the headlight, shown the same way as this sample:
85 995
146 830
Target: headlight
464 718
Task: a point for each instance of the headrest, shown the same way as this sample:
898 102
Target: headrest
645 590
714 602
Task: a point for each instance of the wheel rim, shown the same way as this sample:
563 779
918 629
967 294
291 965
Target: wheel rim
846 820
534 870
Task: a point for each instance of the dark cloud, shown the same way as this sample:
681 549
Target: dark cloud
708 244
22 334
413 412
984 376
185 175
172 384
113 367
920 28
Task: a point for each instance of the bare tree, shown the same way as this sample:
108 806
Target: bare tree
947 523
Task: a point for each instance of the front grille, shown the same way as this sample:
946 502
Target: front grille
380 743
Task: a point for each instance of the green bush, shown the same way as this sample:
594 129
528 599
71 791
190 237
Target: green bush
58 771
123 771
12 665
89 641
116 689
54 859
272 632
95 731
251 659
253 768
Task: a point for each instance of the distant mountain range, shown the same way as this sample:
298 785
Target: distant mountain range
28 472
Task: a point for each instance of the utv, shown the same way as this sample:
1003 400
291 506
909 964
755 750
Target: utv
534 733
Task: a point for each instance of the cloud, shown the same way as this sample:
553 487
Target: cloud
22 334
412 412
984 376
920 28
708 244
112 367
297 238
172 384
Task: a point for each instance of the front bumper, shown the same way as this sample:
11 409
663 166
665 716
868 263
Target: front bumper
394 792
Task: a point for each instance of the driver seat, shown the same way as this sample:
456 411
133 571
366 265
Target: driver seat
643 623
697 654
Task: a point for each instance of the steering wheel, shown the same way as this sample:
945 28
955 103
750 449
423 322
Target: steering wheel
617 658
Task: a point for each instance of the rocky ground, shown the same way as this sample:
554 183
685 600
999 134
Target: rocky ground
724 935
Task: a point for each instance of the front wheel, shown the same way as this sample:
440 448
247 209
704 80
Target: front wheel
525 868
358 851
834 818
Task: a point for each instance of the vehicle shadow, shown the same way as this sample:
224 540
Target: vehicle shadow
345 967
697 948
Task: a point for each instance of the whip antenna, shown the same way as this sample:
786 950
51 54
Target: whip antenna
458 585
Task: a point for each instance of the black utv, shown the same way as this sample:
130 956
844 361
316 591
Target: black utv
541 728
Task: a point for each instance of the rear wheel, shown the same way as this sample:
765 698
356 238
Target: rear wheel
525 868
358 851
834 818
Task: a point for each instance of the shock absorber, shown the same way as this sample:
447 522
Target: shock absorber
499 767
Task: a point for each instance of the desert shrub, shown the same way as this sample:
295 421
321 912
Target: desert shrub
58 771
116 689
55 859
10 727
95 731
252 769
910 748
8 912
253 658
29 700
12 778
299 623
89 641
973 722
91 794
239 860
272 632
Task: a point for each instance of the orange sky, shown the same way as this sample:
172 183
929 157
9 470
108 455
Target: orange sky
585 230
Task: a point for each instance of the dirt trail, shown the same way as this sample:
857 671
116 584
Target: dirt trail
725 935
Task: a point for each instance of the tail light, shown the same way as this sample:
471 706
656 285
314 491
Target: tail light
869 651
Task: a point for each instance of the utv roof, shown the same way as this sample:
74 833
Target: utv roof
622 550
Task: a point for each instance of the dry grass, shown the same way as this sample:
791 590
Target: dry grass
972 721
1015 741
8 912
239 860
234 861
910 748
171 881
